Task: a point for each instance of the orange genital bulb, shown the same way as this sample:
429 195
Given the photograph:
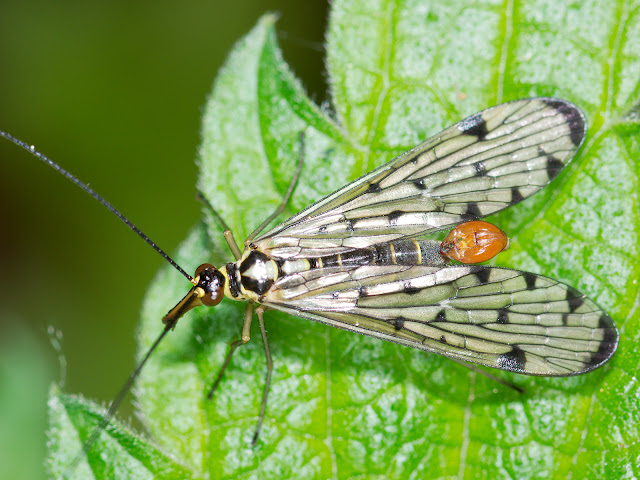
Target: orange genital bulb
474 242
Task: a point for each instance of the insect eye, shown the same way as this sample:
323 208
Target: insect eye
213 297
212 282
202 267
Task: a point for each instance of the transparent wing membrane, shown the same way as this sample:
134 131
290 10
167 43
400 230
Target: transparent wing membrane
496 317
477 167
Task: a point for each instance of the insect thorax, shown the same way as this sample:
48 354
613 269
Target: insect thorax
250 277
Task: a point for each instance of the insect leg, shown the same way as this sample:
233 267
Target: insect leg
246 336
474 368
228 234
267 383
285 200
233 246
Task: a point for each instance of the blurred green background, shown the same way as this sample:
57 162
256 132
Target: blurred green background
113 91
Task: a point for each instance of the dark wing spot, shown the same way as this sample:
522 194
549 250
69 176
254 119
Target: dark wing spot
410 289
554 167
473 210
541 152
443 339
574 117
474 125
483 275
565 319
313 263
530 280
476 268
362 292
503 317
516 196
575 303
480 168
373 188
440 317
398 323
609 342
513 361
323 229
420 184
394 216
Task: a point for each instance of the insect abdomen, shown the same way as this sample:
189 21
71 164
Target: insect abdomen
402 252
409 252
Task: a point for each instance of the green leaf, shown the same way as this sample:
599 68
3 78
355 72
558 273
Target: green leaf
345 406
117 452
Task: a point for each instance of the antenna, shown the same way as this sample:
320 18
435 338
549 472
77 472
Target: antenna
32 150
127 386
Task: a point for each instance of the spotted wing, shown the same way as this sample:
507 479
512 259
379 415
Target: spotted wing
497 317
477 167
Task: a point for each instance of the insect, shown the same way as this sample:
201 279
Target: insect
359 260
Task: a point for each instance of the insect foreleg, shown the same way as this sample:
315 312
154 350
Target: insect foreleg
287 196
228 234
267 382
233 246
246 336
